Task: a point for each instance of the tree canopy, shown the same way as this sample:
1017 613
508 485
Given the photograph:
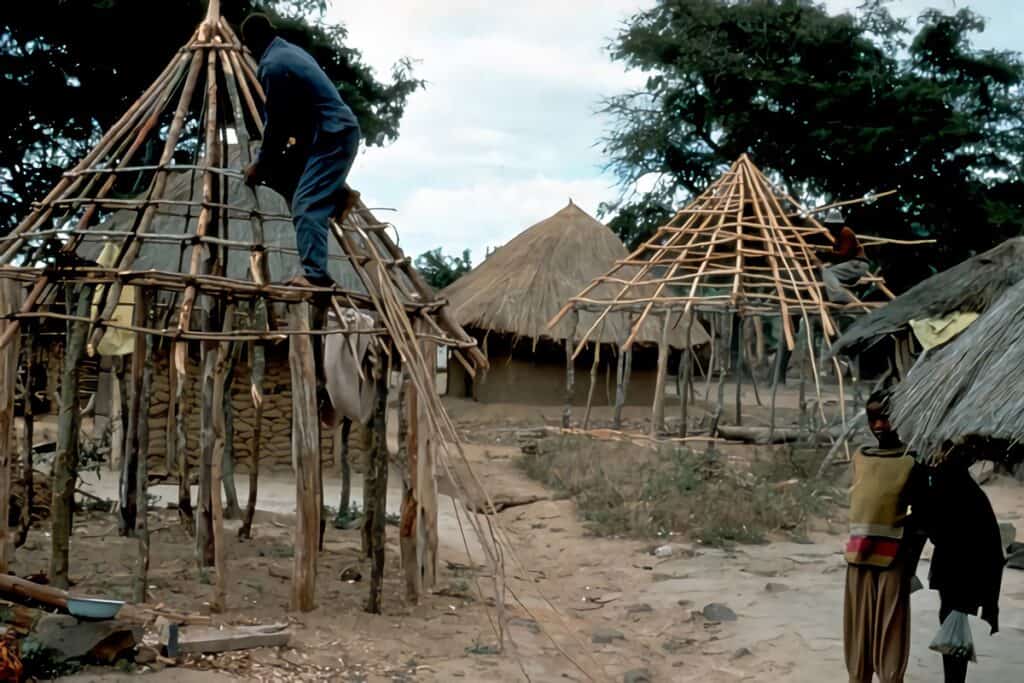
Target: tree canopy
70 68
440 269
831 106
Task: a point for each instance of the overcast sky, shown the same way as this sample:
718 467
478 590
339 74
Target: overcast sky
506 130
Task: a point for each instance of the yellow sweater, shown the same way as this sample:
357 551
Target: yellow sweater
878 505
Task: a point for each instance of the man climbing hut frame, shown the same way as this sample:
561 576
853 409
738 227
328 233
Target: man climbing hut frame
200 253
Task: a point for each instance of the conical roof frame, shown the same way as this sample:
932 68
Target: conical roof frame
742 246
192 230
524 282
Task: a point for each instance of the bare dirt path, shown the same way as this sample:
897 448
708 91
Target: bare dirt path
575 589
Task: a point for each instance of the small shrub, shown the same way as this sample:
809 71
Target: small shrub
622 489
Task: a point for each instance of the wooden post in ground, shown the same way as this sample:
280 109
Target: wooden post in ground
128 498
257 355
65 462
28 418
776 377
232 509
143 310
9 302
427 536
205 551
658 410
377 496
620 393
736 342
410 507
686 371
724 345
345 501
593 381
180 371
306 453
221 405
570 370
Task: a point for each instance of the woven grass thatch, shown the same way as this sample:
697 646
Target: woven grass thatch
522 285
971 387
972 286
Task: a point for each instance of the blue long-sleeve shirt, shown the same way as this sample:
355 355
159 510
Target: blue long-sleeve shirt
301 100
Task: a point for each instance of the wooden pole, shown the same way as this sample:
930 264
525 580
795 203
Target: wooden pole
128 489
28 418
410 507
593 381
725 341
221 406
257 355
306 448
205 550
65 462
427 535
570 370
658 409
620 389
119 414
736 341
776 377
180 370
232 509
377 496
141 578
686 359
9 295
345 502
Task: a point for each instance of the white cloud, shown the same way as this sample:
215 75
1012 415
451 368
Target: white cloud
485 214
506 130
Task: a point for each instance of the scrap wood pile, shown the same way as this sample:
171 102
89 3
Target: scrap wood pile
47 632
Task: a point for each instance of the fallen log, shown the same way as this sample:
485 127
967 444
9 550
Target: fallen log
20 590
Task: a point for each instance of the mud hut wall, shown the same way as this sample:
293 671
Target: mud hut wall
522 374
277 428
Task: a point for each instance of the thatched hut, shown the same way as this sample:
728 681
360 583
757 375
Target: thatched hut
507 301
970 388
969 287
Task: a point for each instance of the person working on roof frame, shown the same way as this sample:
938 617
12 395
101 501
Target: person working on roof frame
303 104
849 263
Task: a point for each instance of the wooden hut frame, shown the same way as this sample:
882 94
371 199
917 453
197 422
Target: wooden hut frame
219 291
741 248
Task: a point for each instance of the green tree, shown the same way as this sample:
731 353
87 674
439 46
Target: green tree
440 269
69 69
832 107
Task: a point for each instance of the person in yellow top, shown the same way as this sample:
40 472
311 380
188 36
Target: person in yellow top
881 553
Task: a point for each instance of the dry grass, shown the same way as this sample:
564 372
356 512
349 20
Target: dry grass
971 286
622 490
970 387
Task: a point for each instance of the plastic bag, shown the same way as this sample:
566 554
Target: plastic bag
954 638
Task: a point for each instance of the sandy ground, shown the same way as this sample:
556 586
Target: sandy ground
567 586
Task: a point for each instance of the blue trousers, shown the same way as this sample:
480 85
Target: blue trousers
320 195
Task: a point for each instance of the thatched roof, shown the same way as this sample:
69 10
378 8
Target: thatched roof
971 387
971 286
523 284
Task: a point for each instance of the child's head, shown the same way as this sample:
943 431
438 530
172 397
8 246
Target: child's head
877 409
